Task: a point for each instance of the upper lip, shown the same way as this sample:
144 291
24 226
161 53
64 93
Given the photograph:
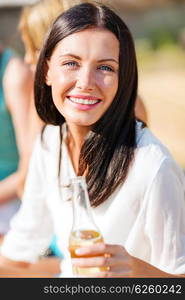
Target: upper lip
89 97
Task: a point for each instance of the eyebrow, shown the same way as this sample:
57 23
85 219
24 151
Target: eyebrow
79 58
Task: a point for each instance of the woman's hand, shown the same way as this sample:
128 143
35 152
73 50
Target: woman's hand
113 260
116 262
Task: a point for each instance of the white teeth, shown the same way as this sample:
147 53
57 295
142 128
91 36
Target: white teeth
83 101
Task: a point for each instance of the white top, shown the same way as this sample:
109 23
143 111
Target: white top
146 214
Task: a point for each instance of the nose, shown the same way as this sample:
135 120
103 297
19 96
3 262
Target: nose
86 79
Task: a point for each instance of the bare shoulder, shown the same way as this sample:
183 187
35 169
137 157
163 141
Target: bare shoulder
17 73
17 84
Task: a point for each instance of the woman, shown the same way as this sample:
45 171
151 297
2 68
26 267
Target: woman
136 189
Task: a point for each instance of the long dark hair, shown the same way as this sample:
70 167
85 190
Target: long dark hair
108 150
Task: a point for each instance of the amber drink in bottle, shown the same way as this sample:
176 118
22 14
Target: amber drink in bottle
84 230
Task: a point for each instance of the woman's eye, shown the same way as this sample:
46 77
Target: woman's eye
106 68
70 64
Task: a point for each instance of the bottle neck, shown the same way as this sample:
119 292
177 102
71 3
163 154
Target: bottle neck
82 214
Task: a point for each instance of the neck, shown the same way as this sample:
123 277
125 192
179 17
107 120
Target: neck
75 140
76 135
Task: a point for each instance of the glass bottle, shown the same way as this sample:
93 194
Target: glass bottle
84 230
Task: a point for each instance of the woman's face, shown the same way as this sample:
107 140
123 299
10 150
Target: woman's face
83 75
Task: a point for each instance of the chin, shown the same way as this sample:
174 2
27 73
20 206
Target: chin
81 122
84 124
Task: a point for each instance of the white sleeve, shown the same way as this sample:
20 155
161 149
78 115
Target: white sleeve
165 218
31 228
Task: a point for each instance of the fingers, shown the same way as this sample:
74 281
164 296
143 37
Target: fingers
112 260
99 249
104 255
110 265
95 261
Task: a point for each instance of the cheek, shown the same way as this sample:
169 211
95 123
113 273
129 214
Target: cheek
61 82
109 85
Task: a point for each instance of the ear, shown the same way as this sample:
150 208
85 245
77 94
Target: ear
48 80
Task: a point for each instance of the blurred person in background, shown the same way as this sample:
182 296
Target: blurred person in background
15 88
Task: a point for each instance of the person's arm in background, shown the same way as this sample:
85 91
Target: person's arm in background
17 85
35 125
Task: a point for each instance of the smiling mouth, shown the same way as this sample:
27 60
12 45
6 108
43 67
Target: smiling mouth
83 101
